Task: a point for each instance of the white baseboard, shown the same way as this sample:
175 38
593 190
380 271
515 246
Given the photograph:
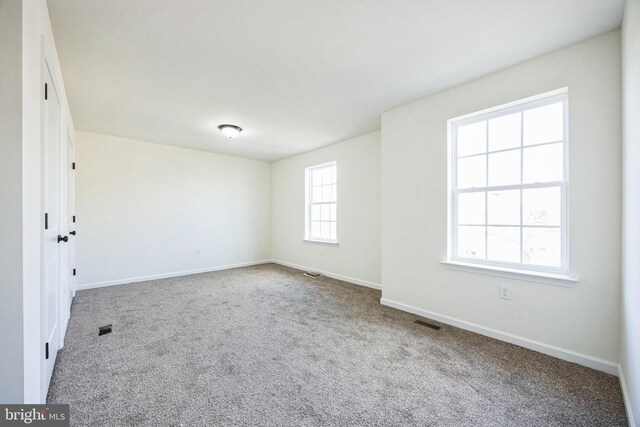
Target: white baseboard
560 353
166 275
626 397
328 274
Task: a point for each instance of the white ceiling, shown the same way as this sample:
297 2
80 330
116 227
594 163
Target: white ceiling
295 74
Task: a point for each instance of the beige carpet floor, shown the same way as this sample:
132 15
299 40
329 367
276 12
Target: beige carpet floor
267 346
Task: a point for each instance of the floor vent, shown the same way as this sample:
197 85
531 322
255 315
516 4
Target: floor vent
312 274
428 325
104 330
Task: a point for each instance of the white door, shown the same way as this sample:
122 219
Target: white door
52 233
72 219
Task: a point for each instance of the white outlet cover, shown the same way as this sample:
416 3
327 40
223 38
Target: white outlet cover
505 292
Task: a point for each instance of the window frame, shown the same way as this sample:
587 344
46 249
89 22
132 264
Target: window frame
309 202
547 98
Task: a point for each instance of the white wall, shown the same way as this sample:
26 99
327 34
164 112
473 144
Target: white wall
143 209
37 37
582 320
357 256
11 350
630 357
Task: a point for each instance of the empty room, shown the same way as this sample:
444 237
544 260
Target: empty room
320 213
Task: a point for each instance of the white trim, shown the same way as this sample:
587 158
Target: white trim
513 104
32 291
353 280
626 397
324 242
166 275
322 165
511 273
560 353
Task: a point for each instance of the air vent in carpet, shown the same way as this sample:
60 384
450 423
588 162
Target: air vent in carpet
428 325
312 274
104 330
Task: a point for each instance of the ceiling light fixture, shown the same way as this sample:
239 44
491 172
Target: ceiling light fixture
230 131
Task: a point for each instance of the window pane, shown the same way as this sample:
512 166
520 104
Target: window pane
541 206
315 213
471 242
334 173
326 193
326 175
504 207
504 168
543 164
543 124
471 208
333 234
315 229
472 139
503 244
334 192
326 230
333 215
317 177
504 132
472 172
326 212
316 194
541 246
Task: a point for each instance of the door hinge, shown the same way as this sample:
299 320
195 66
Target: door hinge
73 165
46 90
46 351
46 221
74 271
74 218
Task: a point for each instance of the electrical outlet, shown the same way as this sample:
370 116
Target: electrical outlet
197 251
505 292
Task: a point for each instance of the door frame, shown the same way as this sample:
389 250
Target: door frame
66 276
71 213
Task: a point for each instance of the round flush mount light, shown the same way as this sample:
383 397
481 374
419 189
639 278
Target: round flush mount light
230 131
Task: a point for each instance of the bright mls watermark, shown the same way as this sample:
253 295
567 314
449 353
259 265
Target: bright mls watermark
34 415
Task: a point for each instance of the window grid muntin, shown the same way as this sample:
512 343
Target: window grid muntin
522 106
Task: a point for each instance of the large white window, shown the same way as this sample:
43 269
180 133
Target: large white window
322 203
508 185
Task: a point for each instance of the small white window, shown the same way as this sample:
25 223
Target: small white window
322 203
508 185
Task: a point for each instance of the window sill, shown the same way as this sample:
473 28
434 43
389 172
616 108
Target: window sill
512 273
322 242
